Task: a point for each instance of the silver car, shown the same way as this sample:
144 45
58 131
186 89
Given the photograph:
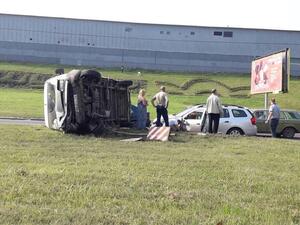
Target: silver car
236 120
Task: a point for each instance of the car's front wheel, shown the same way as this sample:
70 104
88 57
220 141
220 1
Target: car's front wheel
288 132
235 131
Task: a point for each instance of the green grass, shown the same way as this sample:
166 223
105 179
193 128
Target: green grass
21 103
51 178
28 103
48 177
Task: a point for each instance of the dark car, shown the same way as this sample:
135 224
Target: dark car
289 122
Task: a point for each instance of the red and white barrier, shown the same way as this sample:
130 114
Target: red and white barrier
158 133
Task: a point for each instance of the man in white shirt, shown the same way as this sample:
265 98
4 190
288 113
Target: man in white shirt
274 116
160 102
214 110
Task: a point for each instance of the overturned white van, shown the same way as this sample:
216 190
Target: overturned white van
82 101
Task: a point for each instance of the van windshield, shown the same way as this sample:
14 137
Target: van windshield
51 104
51 98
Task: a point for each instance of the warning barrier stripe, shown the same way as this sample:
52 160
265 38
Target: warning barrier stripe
163 133
159 133
152 130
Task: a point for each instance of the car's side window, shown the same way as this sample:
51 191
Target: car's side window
292 115
194 116
225 113
261 115
297 115
238 113
258 114
282 116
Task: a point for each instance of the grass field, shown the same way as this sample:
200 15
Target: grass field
48 177
21 103
32 99
51 178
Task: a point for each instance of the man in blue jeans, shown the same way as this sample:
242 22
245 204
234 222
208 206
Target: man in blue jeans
273 117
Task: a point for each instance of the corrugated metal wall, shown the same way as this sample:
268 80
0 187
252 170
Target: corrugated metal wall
146 46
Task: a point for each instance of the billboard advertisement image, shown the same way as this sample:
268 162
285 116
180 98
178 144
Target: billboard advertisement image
270 73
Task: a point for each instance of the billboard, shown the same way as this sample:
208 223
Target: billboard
271 73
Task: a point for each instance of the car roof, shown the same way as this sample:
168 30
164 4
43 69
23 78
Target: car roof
224 105
285 110
235 106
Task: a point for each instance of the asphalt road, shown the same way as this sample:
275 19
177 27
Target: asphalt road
297 136
19 121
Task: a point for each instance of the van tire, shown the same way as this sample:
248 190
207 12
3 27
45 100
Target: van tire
91 75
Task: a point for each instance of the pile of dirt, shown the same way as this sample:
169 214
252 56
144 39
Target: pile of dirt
165 83
189 83
240 88
137 85
203 92
186 85
23 79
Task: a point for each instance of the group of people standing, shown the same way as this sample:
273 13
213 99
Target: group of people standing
214 110
160 101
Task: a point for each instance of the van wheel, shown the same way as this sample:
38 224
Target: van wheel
235 132
288 132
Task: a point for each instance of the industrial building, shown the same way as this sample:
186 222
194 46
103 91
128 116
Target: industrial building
144 46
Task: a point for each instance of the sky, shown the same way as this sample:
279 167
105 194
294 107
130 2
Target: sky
266 14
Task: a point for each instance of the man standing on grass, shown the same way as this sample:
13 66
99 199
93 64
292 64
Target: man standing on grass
160 102
214 110
274 116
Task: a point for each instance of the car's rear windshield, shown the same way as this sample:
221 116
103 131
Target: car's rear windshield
251 113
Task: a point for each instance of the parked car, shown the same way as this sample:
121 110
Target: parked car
289 122
237 120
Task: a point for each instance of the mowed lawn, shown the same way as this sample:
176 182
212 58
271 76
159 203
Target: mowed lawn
25 103
48 177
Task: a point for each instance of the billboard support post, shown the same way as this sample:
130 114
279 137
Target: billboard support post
266 100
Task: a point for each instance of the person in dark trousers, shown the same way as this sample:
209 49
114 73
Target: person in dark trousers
273 117
160 102
214 110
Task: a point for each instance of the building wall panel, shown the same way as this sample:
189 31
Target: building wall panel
148 46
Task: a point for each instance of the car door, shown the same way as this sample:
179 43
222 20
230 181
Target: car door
225 122
193 120
293 119
283 122
261 117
